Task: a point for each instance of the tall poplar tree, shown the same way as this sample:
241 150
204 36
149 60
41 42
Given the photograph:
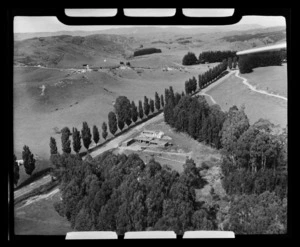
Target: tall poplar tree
76 140
96 135
86 135
141 110
112 122
104 130
28 160
157 101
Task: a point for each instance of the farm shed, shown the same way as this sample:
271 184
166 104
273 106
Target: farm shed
128 142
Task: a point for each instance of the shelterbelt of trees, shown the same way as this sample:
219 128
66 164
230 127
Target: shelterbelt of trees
250 61
208 57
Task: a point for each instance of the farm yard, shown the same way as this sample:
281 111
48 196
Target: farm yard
175 155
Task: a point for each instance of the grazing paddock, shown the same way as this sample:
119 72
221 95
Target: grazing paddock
272 79
233 92
40 218
70 100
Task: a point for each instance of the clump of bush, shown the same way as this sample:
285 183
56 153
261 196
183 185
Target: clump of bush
189 59
146 51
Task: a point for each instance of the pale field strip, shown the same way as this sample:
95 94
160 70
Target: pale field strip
39 197
32 186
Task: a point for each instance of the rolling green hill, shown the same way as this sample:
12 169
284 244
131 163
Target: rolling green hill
69 51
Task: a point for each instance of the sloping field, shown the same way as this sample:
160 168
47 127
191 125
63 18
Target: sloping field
40 218
272 79
233 92
70 99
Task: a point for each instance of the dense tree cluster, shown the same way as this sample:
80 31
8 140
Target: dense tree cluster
120 193
254 162
248 62
194 116
146 51
254 166
255 158
189 59
215 56
265 213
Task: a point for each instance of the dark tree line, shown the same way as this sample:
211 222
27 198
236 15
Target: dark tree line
124 113
195 117
212 74
120 193
250 61
146 51
215 56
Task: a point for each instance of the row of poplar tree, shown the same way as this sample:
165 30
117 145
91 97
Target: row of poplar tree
206 78
125 112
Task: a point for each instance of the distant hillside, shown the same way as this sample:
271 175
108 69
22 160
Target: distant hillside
142 31
269 37
68 51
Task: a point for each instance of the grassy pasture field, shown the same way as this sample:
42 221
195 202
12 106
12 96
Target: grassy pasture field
272 79
80 97
40 218
233 92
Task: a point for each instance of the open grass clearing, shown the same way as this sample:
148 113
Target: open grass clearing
233 92
40 218
272 79
37 116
